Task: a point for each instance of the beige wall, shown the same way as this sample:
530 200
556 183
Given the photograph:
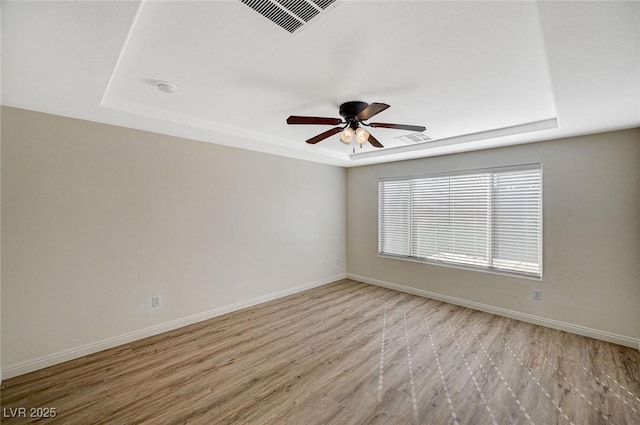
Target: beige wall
0 248
97 219
591 234
0 238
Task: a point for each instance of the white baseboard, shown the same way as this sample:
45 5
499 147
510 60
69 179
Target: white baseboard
525 317
94 347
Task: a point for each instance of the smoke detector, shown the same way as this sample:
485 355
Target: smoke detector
166 87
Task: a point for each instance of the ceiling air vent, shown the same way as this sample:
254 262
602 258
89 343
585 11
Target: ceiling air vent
412 138
292 15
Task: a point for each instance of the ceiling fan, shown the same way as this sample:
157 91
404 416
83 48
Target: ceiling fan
355 114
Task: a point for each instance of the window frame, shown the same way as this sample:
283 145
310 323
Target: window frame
462 172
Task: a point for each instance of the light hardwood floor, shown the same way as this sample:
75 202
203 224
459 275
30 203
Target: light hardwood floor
344 353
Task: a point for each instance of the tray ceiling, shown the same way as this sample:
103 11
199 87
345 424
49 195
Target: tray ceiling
476 74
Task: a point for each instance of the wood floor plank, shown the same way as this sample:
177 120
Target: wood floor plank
344 353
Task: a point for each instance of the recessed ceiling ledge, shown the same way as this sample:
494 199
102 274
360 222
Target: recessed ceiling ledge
529 127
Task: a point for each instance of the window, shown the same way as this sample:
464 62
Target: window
487 219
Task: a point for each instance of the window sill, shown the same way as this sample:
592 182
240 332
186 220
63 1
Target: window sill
462 267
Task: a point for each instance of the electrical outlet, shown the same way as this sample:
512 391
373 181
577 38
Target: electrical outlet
155 301
537 295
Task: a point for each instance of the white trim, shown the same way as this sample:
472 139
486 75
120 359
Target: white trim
460 266
523 128
122 49
524 317
94 347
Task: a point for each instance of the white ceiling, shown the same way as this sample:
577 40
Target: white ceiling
530 71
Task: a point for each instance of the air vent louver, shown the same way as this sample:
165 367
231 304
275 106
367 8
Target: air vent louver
289 14
413 138
301 8
323 3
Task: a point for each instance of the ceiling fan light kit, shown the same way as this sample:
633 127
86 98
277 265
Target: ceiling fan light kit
354 113
347 135
361 136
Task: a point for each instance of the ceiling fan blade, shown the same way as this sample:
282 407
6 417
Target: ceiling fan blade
374 141
371 110
320 137
398 126
296 119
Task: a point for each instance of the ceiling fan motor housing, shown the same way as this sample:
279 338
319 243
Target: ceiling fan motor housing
349 110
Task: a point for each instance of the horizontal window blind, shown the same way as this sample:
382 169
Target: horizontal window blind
486 219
